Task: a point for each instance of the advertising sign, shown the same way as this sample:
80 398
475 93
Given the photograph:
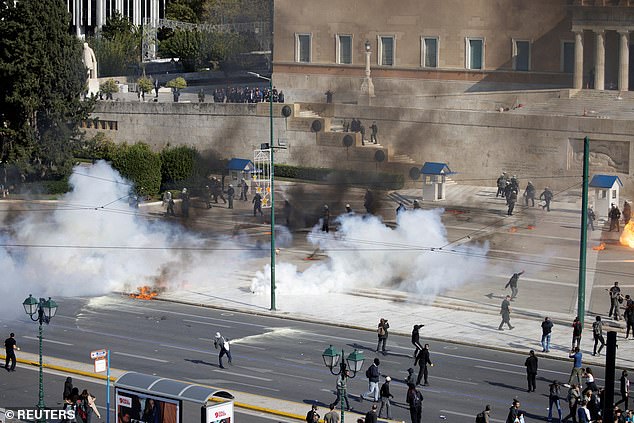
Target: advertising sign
135 407
220 412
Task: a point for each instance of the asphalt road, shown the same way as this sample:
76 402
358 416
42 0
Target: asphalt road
277 358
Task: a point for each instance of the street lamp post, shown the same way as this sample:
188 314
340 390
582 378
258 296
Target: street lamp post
257 75
333 358
42 312
367 87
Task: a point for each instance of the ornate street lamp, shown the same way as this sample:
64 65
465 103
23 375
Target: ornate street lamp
367 87
354 362
41 311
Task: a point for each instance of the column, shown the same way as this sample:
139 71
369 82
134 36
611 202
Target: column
99 14
599 71
578 73
624 60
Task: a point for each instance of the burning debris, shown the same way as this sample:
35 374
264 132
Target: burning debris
513 229
627 237
599 247
145 293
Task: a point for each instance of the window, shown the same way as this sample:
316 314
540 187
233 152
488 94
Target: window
475 53
386 51
521 55
603 193
344 49
567 56
614 194
430 52
302 42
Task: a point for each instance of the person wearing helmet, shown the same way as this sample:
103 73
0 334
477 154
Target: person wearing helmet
349 209
222 343
385 398
416 204
529 194
230 194
547 196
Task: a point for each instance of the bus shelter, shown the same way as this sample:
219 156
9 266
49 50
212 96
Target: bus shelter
148 398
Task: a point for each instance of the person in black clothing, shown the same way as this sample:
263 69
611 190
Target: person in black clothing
615 294
68 387
614 214
385 396
597 333
10 346
231 192
510 201
505 311
257 204
529 194
531 370
547 328
325 219
514 411
423 360
415 402
547 196
368 201
185 202
513 284
625 391
416 340
312 416
370 416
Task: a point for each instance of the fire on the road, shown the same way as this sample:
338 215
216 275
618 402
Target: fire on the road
145 293
627 237
599 247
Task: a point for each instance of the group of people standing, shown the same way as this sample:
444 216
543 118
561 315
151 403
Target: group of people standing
356 126
247 95
614 214
509 188
82 404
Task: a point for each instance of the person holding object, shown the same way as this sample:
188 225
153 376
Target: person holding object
223 343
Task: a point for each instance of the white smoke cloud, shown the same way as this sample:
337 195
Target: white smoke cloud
97 244
365 253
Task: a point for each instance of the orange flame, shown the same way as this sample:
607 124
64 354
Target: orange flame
599 247
627 237
513 229
145 293
531 227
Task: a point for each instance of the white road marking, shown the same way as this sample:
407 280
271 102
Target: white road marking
48 340
242 375
499 370
242 345
541 256
201 317
206 323
142 357
183 348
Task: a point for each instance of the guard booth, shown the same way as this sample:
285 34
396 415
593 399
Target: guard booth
434 179
240 169
606 191
147 398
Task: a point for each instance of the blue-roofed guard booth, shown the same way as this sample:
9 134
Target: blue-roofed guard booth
141 397
434 179
606 191
240 169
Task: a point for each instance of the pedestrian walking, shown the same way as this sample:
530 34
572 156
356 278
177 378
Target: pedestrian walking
331 416
244 190
511 199
372 373
231 193
513 284
577 328
573 398
553 399
89 405
577 369
591 218
514 412
624 390
312 416
222 343
371 416
325 219
501 184
614 214
10 346
484 416
385 396
505 311
597 333
547 328
423 360
382 332
415 401
531 371
615 300
257 204
342 390
416 340
547 196
529 194
68 387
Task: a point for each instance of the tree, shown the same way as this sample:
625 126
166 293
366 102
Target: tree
108 88
42 78
141 165
117 47
145 85
179 164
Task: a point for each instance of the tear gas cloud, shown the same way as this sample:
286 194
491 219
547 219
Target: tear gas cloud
365 253
97 244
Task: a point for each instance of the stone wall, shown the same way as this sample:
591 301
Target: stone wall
476 144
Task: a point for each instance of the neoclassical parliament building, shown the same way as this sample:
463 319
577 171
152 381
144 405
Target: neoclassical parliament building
504 43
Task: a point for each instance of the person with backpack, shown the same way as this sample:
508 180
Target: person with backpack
312 416
484 416
597 333
382 335
222 343
415 401
372 373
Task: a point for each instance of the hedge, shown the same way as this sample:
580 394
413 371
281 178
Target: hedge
141 165
380 180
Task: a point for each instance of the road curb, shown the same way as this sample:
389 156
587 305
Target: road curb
61 368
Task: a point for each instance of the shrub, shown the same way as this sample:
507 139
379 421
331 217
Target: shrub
145 84
141 165
179 164
177 83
